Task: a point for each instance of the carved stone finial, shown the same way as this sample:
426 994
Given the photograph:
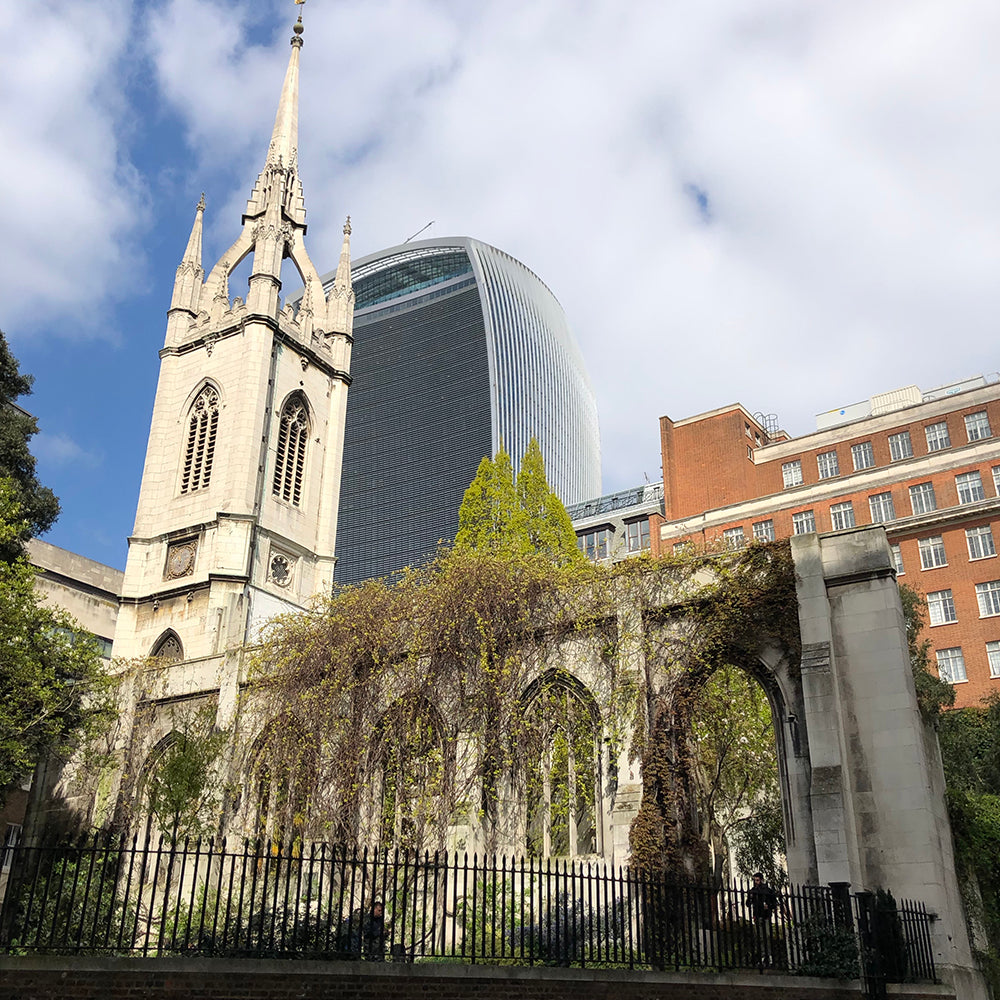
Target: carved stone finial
347 227
200 207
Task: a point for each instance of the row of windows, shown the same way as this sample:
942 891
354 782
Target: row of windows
951 662
941 603
596 544
882 508
763 531
979 541
968 485
199 448
977 427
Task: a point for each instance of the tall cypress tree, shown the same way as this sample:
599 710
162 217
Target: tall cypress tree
487 511
37 504
500 516
541 521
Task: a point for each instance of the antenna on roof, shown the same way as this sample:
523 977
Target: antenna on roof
419 231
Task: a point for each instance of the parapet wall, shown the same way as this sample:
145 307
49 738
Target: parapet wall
201 979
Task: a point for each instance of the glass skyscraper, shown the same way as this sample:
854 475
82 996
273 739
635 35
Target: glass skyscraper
457 347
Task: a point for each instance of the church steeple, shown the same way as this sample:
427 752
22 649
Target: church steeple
285 137
274 222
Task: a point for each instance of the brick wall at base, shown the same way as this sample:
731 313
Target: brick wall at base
205 979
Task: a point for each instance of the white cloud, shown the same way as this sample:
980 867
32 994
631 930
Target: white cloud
69 200
848 152
61 449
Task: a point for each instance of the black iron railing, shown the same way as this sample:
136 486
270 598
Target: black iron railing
103 896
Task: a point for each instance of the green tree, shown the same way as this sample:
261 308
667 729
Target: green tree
970 752
933 694
541 523
736 771
487 512
52 681
185 786
503 517
38 505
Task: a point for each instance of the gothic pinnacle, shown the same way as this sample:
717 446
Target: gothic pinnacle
192 254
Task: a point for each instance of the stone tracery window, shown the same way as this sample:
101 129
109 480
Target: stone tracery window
281 780
411 763
562 773
289 465
199 450
168 647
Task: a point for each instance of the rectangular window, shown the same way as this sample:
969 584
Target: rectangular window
881 507
842 516
941 608
791 473
977 426
681 547
900 446
951 664
996 479
980 541
827 465
734 537
993 655
970 487
932 552
803 522
637 535
897 559
937 436
763 531
594 544
863 455
922 498
988 595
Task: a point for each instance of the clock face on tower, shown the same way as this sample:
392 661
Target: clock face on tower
180 559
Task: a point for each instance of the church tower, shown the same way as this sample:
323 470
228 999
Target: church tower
237 512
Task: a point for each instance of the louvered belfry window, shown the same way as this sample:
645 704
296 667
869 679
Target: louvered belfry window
199 451
293 431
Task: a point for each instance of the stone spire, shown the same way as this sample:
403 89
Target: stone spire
274 225
190 273
278 186
340 304
285 137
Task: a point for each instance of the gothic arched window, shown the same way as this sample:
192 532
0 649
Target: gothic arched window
168 647
282 773
562 773
412 769
289 464
199 451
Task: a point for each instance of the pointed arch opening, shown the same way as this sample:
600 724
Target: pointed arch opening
282 776
199 445
562 768
168 647
410 761
290 456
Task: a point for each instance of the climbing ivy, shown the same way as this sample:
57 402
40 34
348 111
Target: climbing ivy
449 649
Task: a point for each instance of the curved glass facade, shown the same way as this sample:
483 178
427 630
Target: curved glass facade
457 347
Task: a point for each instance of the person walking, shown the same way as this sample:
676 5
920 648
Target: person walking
763 902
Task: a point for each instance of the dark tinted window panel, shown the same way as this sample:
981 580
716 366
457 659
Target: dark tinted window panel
418 424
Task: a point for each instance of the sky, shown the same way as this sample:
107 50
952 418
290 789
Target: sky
789 205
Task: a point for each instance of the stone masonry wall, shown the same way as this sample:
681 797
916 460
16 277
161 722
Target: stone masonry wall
204 979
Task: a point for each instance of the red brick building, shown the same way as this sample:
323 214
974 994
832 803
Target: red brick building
924 465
